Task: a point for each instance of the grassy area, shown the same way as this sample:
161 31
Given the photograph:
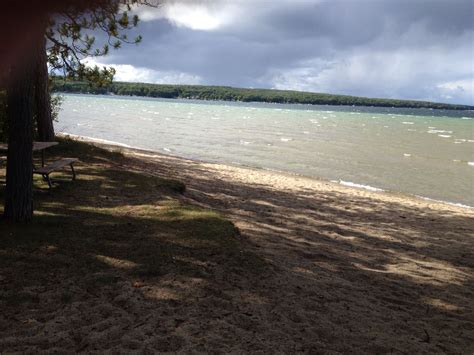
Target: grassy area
108 227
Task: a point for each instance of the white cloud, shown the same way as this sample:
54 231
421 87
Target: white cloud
371 48
463 85
130 73
461 90
209 15
205 15
408 74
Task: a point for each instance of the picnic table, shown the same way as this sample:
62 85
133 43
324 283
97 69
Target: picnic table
37 146
46 170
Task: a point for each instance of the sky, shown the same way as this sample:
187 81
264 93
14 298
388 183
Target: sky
406 49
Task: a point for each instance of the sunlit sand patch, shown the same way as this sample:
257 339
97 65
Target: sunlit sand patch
252 298
428 272
117 263
49 249
330 266
304 271
193 261
337 236
265 227
262 202
172 289
161 293
443 305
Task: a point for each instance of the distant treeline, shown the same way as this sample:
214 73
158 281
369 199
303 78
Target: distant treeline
226 93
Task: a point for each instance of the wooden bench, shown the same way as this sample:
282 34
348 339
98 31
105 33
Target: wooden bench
54 166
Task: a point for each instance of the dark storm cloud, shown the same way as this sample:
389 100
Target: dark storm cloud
410 49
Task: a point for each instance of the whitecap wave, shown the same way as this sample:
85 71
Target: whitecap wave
97 140
360 186
445 202
434 131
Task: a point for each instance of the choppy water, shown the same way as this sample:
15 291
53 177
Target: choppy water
429 153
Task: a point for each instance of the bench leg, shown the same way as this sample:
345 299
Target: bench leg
46 177
73 172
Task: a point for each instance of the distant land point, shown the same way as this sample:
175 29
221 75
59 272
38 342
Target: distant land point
227 93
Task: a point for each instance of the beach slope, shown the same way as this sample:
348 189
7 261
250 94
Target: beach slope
316 267
352 269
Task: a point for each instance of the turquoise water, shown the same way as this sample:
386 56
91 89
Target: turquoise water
429 153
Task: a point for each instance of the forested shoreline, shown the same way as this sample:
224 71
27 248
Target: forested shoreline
226 93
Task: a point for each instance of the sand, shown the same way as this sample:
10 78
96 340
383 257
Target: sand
347 271
353 270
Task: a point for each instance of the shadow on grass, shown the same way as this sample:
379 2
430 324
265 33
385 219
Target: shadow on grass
112 237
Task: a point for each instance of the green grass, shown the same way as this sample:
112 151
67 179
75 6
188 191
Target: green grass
108 226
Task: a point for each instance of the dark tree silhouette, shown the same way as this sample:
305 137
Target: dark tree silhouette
66 25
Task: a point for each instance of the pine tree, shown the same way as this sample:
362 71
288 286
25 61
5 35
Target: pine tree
65 24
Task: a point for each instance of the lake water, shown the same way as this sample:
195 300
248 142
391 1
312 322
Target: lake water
429 153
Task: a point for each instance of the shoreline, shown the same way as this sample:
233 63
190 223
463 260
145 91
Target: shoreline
319 99
355 187
185 255
311 107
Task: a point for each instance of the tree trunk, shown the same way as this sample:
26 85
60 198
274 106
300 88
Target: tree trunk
44 121
19 187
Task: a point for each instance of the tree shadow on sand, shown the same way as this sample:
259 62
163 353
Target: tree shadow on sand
382 275
119 260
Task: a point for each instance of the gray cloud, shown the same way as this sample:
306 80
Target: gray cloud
415 49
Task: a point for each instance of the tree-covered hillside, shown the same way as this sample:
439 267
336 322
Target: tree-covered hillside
227 93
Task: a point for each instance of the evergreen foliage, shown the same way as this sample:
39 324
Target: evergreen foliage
226 93
70 40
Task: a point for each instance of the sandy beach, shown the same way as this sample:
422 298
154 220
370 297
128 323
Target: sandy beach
349 270
237 177
314 267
